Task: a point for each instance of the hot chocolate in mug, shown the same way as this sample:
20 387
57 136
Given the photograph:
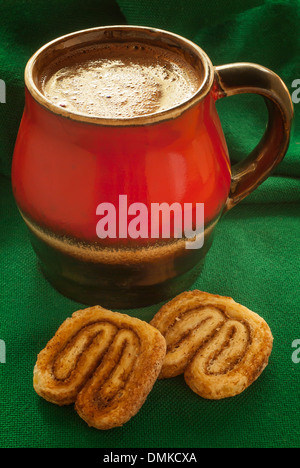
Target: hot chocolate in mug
121 169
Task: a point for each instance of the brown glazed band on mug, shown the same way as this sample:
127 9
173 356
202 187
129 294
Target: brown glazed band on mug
67 163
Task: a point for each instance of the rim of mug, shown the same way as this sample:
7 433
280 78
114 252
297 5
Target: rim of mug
155 117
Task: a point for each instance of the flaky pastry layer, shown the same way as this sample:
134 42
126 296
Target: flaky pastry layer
104 362
220 346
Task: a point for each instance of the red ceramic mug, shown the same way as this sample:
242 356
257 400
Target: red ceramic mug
65 164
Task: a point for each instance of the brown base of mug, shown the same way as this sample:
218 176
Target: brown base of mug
117 278
116 297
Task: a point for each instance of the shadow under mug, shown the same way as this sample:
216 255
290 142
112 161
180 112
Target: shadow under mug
65 164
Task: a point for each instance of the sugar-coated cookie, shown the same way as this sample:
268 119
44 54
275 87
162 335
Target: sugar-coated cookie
104 362
219 345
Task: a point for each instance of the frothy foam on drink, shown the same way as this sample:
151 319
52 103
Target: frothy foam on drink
120 81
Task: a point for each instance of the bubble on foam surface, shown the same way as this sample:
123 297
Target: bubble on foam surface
120 81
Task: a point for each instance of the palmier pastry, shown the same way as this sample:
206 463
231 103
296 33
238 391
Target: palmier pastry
104 362
219 345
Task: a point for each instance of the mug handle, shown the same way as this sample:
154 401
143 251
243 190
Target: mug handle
238 78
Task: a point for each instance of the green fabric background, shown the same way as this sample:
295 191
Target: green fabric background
254 257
